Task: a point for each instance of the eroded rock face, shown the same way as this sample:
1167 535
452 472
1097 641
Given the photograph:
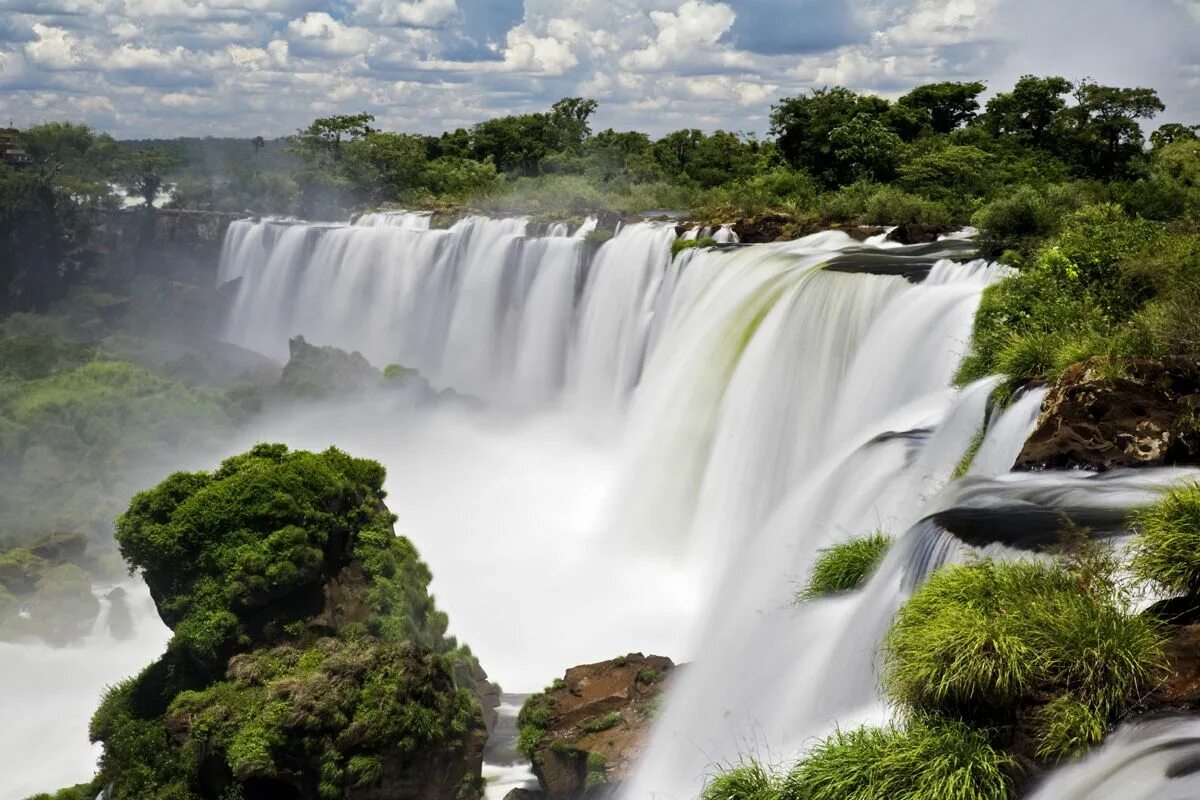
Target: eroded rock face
584 733
1142 417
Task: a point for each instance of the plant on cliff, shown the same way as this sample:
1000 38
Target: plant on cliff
1166 548
307 653
845 566
987 639
679 245
928 758
1076 299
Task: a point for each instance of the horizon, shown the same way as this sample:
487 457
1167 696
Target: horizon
166 69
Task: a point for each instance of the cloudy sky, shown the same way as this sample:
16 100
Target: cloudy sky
247 67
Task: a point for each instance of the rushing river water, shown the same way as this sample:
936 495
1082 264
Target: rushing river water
661 448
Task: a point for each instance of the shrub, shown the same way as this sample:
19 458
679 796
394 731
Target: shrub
1019 221
889 205
984 639
846 566
928 759
1166 548
748 780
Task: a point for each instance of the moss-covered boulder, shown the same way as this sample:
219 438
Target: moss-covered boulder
313 371
308 659
585 731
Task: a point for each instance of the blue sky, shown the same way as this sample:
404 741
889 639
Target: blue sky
249 67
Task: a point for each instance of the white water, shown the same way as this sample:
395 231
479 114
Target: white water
48 695
690 433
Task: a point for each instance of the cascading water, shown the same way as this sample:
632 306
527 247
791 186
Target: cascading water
692 431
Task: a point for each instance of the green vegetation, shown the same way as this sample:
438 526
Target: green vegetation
48 579
679 245
1166 549
609 720
984 639
1107 285
533 719
994 668
929 758
649 676
749 780
846 566
270 669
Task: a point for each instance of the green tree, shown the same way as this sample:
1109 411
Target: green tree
1101 132
1029 110
865 149
1173 132
949 104
145 171
802 127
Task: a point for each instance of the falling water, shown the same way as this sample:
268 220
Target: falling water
692 431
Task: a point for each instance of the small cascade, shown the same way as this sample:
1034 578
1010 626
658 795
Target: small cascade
1155 759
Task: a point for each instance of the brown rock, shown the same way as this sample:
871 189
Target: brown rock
763 228
596 722
1142 417
860 233
918 233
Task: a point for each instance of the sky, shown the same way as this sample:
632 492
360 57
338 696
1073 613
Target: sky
166 68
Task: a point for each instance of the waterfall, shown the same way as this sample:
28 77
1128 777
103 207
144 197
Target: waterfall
481 307
696 429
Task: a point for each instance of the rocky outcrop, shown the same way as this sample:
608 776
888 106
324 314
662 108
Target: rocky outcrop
307 658
1106 415
584 733
140 241
918 233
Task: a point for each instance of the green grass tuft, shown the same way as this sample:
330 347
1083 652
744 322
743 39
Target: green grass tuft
1166 549
748 780
846 566
983 639
679 245
1065 726
929 759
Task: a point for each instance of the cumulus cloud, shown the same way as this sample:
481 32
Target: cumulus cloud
184 67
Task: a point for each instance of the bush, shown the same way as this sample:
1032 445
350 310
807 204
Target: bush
748 780
985 639
892 206
1078 298
1066 726
1020 221
1166 548
928 759
846 566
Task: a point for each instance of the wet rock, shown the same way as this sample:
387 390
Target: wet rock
524 794
918 233
860 233
1104 416
584 733
763 228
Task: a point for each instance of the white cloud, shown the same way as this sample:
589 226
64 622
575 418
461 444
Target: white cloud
418 13
322 32
695 27
129 56
56 49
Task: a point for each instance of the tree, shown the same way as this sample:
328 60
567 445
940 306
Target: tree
569 119
949 104
865 149
1029 110
802 126
1173 132
1101 132
145 172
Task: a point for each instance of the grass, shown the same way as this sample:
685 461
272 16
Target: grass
750 779
928 759
968 456
844 567
1166 549
1066 726
609 720
984 639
